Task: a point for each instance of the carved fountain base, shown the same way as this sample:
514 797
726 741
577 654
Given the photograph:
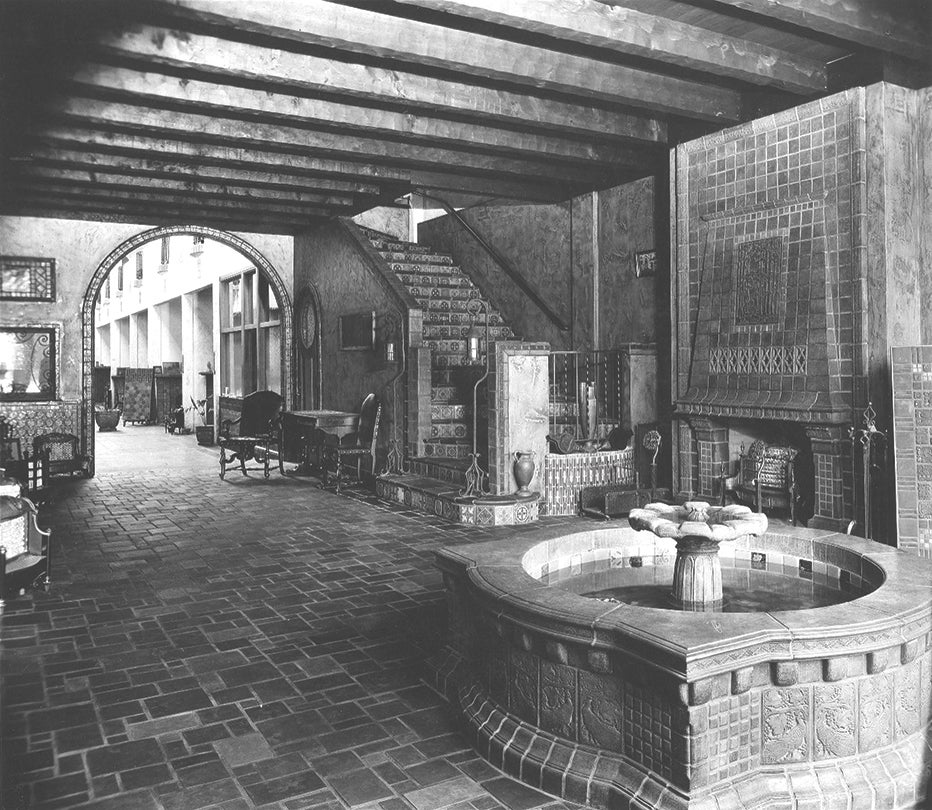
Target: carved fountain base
697 575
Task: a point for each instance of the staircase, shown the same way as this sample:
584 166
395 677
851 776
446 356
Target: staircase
442 290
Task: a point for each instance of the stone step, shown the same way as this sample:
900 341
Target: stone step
401 257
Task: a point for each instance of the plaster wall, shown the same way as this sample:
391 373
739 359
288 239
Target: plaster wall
327 259
578 255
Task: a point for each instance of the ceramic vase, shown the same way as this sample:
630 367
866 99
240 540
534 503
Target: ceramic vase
524 472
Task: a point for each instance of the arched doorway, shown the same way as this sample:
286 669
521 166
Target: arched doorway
262 265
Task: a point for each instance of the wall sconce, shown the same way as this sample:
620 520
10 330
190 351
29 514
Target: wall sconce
390 340
393 350
474 344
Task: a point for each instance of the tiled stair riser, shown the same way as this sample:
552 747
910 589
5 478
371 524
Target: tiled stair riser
447 413
448 317
566 476
410 258
449 430
433 331
455 451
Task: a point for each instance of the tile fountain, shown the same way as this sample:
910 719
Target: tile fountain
568 679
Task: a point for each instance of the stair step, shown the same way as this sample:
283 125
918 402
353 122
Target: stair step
426 280
447 411
401 257
436 268
449 431
458 295
438 332
448 304
446 316
440 449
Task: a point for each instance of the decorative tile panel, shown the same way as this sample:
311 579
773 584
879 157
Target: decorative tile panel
835 720
785 735
760 288
566 476
600 711
757 360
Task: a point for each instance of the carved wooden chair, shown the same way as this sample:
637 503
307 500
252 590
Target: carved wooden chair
61 454
24 549
357 445
257 425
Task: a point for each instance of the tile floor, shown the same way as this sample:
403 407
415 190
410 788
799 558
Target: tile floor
232 645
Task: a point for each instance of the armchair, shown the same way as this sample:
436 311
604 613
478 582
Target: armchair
61 454
358 445
766 478
257 424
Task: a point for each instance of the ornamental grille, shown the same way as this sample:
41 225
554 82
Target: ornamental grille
767 360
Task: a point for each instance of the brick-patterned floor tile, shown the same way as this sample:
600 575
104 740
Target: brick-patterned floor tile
224 644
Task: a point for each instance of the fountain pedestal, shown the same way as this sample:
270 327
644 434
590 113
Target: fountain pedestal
697 575
698 530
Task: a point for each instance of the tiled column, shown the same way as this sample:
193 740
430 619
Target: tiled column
418 400
712 444
830 457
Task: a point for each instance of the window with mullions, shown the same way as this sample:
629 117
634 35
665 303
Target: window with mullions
250 335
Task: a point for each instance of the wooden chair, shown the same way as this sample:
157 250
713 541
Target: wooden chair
257 425
60 453
356 446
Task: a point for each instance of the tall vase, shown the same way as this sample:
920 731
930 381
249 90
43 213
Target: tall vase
524 472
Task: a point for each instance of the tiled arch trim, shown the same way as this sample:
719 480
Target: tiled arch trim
103 270
615 705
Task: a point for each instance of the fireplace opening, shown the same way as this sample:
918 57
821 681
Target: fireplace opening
780 455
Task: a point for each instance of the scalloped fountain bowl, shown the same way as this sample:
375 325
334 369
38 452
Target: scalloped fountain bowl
698 530
612 703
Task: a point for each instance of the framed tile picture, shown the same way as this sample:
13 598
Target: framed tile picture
645 263
26 278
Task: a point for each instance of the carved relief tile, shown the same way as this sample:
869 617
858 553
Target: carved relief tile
907 700
524 685
600 711
786 722
558 699
835 721
874 712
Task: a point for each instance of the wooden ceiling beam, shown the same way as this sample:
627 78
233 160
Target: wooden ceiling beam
365 33
119 195
886 26
47 207
209 128
278 70
96 177
144 88
607 24
87 159
394 182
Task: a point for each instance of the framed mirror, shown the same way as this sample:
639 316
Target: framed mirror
28 363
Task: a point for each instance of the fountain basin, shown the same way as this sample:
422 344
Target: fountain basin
617 704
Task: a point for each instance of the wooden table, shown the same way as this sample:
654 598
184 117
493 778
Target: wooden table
301 439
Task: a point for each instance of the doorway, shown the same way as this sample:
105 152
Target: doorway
171 324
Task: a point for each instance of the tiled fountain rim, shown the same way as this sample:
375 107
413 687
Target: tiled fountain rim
692 644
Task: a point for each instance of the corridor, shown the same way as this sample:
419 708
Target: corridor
232 644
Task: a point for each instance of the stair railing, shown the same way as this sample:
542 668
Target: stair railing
501 261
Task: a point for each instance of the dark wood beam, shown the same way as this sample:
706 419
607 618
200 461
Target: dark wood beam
136 147
119 196
893 25
98 178
264 177
214 98
228 131
279 70
627 31
365 33
36 205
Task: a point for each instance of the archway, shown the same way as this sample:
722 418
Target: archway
262 265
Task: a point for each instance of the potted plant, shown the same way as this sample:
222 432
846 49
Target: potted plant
106 418
205 430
